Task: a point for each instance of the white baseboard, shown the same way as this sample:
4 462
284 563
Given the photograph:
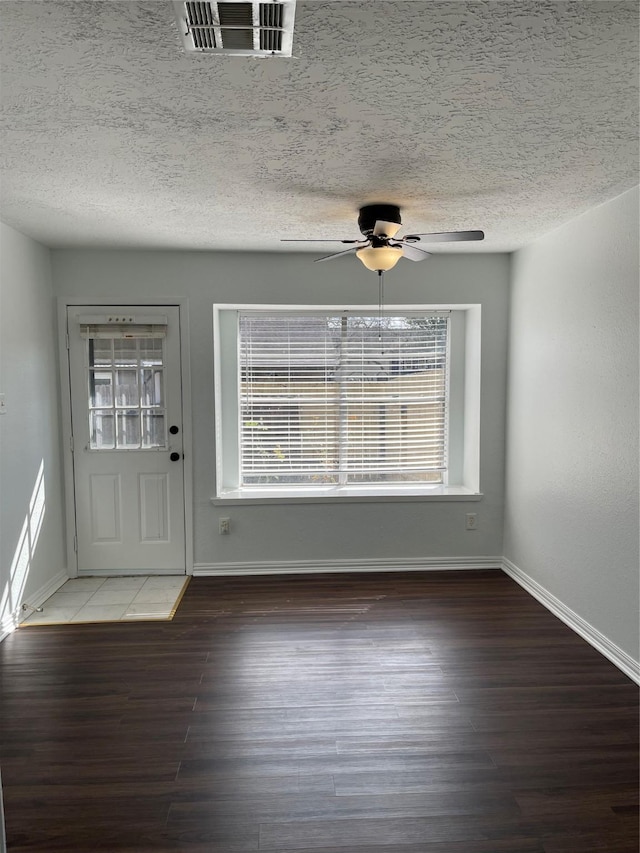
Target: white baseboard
291 567
35 599
595 638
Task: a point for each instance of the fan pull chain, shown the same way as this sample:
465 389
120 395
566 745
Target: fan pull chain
380 303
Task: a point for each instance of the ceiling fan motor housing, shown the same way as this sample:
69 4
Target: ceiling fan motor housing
372 213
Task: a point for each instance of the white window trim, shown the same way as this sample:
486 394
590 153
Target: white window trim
464 430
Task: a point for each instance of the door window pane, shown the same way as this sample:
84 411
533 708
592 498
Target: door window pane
101 430
153 433
128 434
126 352
102 351
151 352
101 388
126 388
152 392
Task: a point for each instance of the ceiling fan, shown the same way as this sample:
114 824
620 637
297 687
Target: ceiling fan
381 249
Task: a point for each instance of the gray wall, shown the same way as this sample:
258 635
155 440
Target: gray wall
571 520
32 555
407 530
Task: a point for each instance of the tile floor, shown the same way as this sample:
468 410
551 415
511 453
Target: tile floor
122 599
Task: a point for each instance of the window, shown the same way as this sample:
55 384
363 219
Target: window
342 399
327 402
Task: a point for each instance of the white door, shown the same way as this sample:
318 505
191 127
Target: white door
126 413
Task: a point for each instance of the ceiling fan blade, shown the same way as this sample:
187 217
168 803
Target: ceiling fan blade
447 236
389 229
315 240
413 253
337 254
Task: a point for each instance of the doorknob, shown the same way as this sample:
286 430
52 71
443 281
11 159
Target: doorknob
174 430
174 456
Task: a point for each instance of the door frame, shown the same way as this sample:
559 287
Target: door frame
65 302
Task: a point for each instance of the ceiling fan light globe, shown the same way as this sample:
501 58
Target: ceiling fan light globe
380 257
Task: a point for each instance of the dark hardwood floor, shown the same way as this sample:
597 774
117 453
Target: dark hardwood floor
368 713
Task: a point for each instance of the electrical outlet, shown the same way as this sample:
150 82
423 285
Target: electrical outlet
471 520
224 525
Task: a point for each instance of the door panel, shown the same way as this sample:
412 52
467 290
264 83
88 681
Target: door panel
125 376
154 507
104 498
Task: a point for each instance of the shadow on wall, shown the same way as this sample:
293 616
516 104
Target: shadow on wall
23 556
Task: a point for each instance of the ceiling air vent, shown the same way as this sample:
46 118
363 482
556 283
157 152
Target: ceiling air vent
237 28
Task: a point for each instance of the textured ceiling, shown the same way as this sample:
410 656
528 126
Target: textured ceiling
507 116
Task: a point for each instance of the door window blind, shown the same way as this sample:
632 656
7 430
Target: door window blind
342 399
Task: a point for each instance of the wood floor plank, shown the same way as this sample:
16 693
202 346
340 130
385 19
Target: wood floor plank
395 831
513 844
370 713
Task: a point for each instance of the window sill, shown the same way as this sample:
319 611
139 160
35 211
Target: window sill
250 497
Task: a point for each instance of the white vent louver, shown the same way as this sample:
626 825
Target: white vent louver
237 27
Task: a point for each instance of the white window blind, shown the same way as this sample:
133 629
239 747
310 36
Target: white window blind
342 399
